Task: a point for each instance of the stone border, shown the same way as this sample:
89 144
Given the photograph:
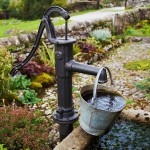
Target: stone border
81 30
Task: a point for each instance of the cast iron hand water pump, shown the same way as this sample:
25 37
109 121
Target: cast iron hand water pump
65 114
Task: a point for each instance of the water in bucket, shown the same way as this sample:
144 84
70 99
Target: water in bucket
105 101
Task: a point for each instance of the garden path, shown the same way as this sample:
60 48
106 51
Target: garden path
100 14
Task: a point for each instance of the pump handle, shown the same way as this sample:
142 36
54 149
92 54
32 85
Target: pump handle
51 34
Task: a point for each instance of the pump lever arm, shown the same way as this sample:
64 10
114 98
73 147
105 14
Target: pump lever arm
45 23
51 34
35 46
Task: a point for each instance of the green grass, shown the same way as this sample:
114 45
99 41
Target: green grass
17 26
138 65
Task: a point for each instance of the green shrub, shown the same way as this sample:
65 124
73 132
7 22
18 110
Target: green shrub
20 88
2 147
6 61
140 29
29 97
76 49
36 85
144 85
19 82
4 4
47 55
27 9
21 128
101 35
59 3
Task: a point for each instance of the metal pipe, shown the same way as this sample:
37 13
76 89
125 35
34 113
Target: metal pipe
74 66
66 29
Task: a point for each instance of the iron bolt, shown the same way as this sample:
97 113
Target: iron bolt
58 55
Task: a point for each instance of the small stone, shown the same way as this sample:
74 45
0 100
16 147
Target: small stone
9 31
133 90
141 95
24 38
44 105
48 112
45 99
136 39
14 40
34 106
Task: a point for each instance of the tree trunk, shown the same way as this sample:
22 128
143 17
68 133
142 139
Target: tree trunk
126 3
97 4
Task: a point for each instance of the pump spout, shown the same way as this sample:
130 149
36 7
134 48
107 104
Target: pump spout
74 66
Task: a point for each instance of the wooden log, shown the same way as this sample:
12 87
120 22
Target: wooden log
78 139
139 115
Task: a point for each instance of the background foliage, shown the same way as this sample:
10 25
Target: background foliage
26 9
6 62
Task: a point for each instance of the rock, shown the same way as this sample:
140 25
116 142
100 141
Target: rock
5 42
24 38
44 105
34 106
9 31
48 112
14 40
32 37
136 39
130 92
108 47
45 99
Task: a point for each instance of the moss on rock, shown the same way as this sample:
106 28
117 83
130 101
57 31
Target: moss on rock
44 79
36 85
138 65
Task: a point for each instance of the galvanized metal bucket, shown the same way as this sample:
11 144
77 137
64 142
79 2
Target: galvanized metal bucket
95 121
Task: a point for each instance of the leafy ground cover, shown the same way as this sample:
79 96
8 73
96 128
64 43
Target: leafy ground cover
140 29
138 65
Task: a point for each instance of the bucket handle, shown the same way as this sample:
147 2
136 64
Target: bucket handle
96 82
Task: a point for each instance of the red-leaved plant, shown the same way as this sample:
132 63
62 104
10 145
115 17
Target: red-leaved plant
87 47
32 68
21 128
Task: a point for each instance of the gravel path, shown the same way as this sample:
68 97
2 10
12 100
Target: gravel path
125 79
